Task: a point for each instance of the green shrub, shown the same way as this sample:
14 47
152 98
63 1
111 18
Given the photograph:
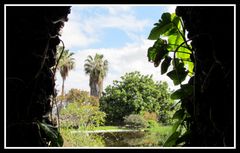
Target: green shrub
78 116
81 139
135 121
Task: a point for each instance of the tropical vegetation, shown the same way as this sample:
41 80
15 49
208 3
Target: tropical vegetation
170 38
96 67
65 64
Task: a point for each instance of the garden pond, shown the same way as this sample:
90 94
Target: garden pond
131 139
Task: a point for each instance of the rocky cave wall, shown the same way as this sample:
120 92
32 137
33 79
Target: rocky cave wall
32 35
211 110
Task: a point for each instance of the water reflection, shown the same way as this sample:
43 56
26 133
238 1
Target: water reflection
132 139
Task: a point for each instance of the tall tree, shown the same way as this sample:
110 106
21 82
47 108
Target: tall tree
97 69
66 63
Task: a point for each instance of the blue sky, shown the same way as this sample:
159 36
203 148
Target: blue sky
119 32
90 21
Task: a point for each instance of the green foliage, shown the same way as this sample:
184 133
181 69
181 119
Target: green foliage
76 95
185 91
165 64
84 116
171 28
152 124
135 121
158 51
166 25
52 134
81 97
171 141
80 139
178 76
134 94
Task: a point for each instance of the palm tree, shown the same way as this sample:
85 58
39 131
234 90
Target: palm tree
97 69
66 63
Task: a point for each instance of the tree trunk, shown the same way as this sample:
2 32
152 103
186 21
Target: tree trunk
62 91
100 85
94 89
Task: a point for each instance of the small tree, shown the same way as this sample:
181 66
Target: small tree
134 94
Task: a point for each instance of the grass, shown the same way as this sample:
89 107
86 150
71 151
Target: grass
160 129
80 139
108 128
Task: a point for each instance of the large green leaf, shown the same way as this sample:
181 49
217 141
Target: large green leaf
190 66
164 25
179 114
175 21
165 64
157 52
52 134
171 141
184 137
174 41
178 75
177 94
183 92
152 52
183 52
166 17
176 125
160 43
160 54
155 33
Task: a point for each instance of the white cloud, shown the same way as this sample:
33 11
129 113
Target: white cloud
74 37
83 31
116 10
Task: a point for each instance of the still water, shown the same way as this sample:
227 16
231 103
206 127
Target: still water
132 139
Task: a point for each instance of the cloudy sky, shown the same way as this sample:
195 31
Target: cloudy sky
119 33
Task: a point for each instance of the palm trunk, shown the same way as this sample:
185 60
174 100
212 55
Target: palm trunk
62 91
94 90
100 87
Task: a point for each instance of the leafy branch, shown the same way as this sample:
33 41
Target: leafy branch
171 27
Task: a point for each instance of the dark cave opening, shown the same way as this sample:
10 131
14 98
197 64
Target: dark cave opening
32 36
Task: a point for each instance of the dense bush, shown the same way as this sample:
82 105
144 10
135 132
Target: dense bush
135 93
81 139
76 95
80 96
135 121
76 115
